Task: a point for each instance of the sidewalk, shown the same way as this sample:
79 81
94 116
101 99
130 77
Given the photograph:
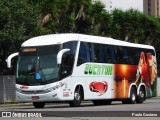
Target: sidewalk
15 104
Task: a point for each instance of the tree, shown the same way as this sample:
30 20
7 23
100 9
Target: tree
21 20
100 20
17 21
117 20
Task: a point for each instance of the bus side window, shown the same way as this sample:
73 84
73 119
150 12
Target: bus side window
121 55
113 58
137 57
125 55
68 58
132 59
99 55
108 55
84 53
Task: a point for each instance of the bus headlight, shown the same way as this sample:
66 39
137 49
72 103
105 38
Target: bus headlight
50 89
55 87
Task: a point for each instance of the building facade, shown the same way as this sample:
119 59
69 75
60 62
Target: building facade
124 5
151 7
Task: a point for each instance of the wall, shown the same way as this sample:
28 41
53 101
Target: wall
7 89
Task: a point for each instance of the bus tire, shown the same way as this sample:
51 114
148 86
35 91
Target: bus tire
141 96
133 96
38 104
77 98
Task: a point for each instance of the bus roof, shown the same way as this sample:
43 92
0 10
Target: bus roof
66 37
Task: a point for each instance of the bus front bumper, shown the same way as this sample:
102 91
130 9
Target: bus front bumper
46 97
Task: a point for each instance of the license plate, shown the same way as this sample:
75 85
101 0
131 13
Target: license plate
35 97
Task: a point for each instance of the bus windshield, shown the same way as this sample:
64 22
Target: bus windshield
38 65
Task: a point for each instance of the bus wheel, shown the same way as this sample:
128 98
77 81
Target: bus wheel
133 96
38 104
77 98
141 96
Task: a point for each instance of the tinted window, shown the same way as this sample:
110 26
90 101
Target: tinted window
121 55
84 53
103 53
110 54
133 56
99 53
68 59
38 61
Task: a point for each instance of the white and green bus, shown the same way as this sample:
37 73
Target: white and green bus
75 67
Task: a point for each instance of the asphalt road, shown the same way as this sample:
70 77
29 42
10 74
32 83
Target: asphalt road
150 109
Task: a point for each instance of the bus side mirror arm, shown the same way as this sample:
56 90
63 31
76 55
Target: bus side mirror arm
60 54
8 60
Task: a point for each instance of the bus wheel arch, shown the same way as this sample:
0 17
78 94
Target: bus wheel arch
78 96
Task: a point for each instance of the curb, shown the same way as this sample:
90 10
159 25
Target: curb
15 104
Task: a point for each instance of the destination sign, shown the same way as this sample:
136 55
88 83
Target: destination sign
29 50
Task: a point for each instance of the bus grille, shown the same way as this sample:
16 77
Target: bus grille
33 92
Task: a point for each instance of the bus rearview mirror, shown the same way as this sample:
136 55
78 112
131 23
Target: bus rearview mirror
60 54
8 60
